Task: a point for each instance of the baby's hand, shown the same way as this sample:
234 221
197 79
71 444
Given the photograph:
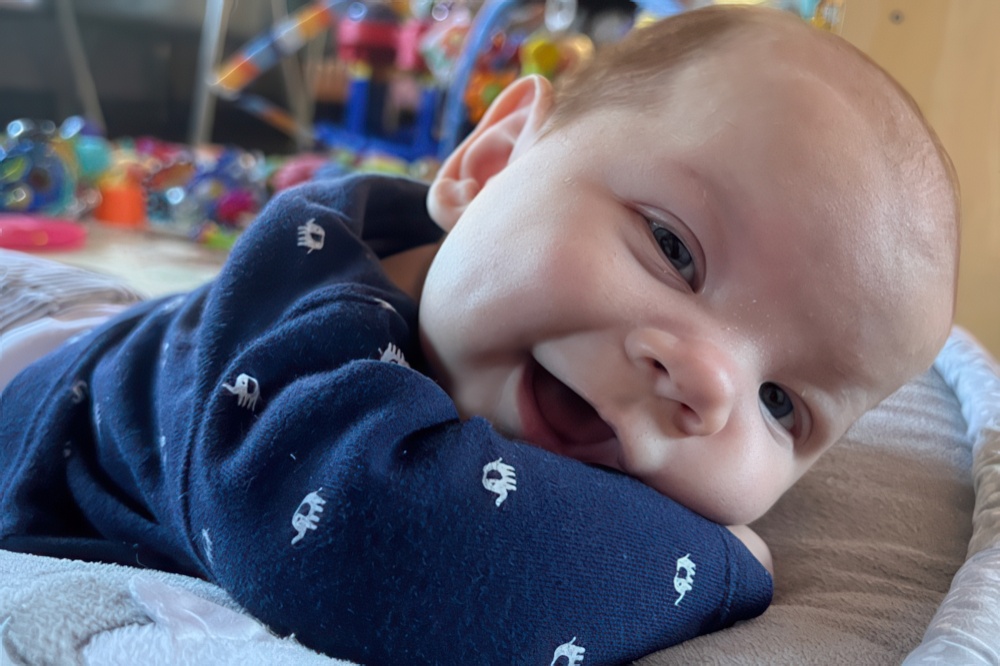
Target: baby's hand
756 545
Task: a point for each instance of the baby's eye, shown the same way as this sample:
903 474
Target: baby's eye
675 251
778 404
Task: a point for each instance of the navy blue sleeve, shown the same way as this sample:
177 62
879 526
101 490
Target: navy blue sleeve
338 496
401 535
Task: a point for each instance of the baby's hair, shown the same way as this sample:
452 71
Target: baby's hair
637 73
632 73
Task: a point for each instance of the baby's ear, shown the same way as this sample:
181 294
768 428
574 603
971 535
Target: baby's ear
511 122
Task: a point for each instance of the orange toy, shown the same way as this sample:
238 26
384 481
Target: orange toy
123 203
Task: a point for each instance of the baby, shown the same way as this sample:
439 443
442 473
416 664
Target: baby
718 247
694 266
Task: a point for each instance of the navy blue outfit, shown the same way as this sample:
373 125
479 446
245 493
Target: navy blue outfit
265 432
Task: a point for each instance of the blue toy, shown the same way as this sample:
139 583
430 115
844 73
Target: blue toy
35 176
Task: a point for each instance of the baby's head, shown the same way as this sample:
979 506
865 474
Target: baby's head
699 263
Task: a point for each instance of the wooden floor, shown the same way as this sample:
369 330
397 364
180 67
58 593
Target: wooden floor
153 264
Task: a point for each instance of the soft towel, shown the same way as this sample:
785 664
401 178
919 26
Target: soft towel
69 612
966 627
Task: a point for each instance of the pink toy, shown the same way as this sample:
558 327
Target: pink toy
32 233
297 170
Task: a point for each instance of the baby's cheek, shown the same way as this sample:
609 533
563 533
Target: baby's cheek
732 477
731 491
645 453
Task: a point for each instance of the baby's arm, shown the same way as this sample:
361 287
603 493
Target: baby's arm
407 535
338 496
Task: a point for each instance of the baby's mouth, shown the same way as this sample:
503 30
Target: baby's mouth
564 418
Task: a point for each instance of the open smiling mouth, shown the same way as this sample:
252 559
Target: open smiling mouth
557 418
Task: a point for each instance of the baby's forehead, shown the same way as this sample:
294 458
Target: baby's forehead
869 314
798 63
840 135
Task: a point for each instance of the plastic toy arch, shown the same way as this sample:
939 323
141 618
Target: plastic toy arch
292 33
367 36
264 51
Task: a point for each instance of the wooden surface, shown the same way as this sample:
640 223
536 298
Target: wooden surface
153 264
947 54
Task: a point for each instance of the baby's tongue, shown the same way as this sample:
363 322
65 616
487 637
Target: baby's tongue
570 416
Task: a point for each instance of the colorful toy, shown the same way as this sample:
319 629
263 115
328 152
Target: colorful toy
540 55
123 203
92 152
285 38
35 174
371 37
828 15
225 187
216 237
52 171
483 88
367 34
298 169
264 51
409 40
442 42
209 194
454 122
276 117
439 48
505 42
122 198
33 233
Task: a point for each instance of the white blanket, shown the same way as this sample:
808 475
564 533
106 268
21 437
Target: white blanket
966 627
67 612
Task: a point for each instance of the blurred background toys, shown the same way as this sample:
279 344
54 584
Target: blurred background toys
122 199
375 43
37 233
396 65
72 172
827 14
218 187
47 174
38 169
413 80
508 39
391 101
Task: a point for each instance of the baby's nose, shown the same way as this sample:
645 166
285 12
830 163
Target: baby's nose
695 374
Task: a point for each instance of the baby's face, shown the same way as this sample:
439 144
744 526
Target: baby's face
680 295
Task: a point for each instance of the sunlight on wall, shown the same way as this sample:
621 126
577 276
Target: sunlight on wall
945 52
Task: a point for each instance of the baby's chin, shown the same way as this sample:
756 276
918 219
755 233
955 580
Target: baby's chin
728 512
723 504
720 508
